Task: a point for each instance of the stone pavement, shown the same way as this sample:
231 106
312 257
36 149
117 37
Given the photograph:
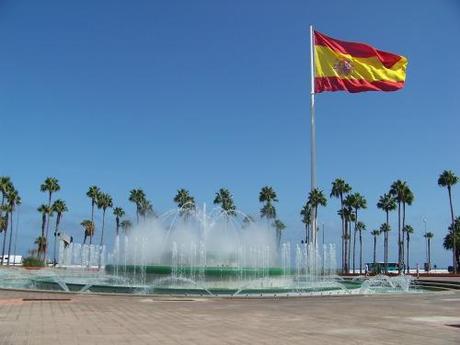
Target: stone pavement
96 319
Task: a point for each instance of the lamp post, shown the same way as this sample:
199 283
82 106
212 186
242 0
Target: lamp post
426 242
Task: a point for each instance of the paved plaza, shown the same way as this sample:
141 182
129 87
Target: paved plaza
35 318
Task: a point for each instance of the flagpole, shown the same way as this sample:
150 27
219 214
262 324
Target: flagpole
312 134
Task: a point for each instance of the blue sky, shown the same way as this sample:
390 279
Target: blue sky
204 94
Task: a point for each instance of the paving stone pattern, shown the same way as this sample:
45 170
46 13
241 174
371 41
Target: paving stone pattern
96 319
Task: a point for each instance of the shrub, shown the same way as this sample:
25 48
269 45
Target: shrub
32 261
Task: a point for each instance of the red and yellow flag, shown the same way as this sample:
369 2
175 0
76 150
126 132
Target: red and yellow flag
355 67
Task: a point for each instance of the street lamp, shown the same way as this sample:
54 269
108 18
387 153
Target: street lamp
426 246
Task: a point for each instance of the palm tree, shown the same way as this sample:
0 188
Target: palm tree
305 212
13 200
88 228
6 209
408 229
5 186
185 202
429 236
339 189
59 207
387 203
118 212
146 209
360 226
93 193
385 228
137 196
407 199
316 198
375 234
40 241
449 179
225 200
3 225
349 219
44 210
268 211
268 197
356 201
404 196
126 225
104 201
50 186
279 227
397 190
454 232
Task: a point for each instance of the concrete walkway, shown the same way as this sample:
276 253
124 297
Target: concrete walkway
90 319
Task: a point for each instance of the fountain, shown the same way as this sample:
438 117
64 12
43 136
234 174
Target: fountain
199 253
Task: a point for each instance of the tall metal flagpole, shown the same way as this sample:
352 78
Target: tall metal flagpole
312 134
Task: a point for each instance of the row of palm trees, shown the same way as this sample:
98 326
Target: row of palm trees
448 179
10 201
144 209
268 198
399 196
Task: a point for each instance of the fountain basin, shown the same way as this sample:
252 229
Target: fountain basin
216 271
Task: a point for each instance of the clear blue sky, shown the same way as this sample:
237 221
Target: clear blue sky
205 94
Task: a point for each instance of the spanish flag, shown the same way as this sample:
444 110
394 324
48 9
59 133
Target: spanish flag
355 67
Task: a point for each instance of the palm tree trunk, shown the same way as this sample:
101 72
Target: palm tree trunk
345 244
102 239
45 254
93 201
3 204
408 265
354 248
375 250
349 246
58 220
11 237
6 225
384 252
343 232
385 260
4 237
40 253
454 251
360 253
399 236
16 236
403 225
89 249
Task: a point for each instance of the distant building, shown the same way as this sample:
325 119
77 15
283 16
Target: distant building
14 260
